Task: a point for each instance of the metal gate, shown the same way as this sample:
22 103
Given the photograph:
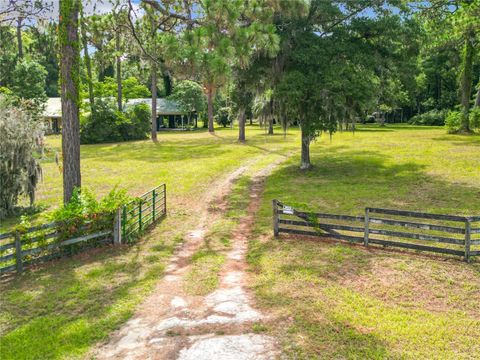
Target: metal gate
142 212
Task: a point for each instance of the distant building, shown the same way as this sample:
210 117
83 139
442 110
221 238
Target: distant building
169 114
53 116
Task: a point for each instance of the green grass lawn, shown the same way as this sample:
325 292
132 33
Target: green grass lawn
333 298
337 300
186 161
64 308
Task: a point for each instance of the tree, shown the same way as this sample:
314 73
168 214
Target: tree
131 88
221 35
87 60
70 82
20 170
456 22
189 95
22 12
28 81
148 33
317 70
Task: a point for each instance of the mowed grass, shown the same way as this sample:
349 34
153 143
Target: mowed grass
334 299
61 310
342 301
186 161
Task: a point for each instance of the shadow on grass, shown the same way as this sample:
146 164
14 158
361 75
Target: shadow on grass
349 181
463 140
297 272
63 307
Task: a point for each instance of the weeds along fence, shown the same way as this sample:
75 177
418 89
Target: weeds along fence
24 248
444 234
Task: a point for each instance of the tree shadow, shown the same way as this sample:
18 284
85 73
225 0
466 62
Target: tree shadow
64 306
349 181
459 140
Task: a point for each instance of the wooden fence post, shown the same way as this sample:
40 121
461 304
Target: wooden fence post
18 252
367 225
117 227
468 238
153 205
275 217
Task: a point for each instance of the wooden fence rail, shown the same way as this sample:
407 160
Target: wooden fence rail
452 239
44 242
25 249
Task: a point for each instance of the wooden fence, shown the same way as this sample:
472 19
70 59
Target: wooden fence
41 243
36 244
451 234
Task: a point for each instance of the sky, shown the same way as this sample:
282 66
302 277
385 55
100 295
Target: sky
89 7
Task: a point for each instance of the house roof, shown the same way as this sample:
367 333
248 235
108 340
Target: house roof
164 106
53 107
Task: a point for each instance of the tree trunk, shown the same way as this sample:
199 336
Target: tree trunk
88 62
251 120
210 110
241 124
270 125
119 71
19 37
477 100
70 80
466 81
305 160
154 101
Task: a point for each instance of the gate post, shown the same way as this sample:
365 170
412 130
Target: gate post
117 227
18 252
153 205
468 238
367 226
165 199
124 222
140 205
275 217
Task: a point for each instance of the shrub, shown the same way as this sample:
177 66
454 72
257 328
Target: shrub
106 124
29 81
138 124
430 118
84 214
474 118
20 170
102 124
223 116
453 121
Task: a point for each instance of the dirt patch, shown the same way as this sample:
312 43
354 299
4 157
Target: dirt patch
173 324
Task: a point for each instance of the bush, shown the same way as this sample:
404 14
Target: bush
223 116
102 124
84 214
453 121
138 124
430 118
20 147
106 124
474 118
